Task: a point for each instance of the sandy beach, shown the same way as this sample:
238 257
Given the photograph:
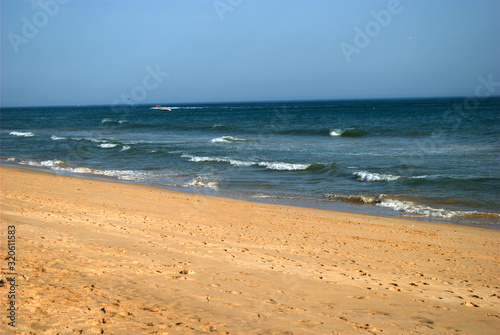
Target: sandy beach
102 257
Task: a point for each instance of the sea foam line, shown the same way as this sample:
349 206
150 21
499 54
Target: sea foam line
108 145
22 133
284 166
409 207
366 176
226 139
59 165
280 166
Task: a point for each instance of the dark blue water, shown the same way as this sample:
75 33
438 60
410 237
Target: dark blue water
436 159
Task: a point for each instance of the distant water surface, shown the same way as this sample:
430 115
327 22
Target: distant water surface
435 159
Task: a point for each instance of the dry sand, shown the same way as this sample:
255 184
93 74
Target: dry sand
97 257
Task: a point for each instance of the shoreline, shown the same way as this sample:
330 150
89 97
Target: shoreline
110 257
312 203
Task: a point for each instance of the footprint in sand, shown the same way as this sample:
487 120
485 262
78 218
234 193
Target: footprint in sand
232 292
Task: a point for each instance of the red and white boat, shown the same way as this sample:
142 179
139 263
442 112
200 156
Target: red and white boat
158 107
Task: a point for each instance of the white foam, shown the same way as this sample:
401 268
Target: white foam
268 165
47 163
120 174
199 159
264 196
107 145
412 208
200 182
22 133
338 131
104 121
57 138
51 163
283 166
226 139
125 147
408 207
371 177
234 162
59 165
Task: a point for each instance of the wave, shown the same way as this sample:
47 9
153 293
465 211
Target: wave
266 196
102 143
300 132
22 133
234 162
280 166
120 174
372 177
227 139
358 199
348 132
108 145
57 138
47 163
60 165
409 208
412 208
365 176
323 168
264 130
200 182
113 122
404 133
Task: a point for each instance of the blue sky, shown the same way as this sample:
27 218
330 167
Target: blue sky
81 52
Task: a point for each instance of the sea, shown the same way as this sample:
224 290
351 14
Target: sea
425 159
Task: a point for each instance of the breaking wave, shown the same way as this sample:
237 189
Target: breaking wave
227 139
348 132
108 145
409 208
22 133
371 177
60 165
283 166
280 166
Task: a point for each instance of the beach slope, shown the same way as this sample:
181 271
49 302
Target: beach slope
101 257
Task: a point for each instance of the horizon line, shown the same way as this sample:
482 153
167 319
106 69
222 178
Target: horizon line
255 101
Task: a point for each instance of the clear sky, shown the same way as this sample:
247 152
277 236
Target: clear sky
86 52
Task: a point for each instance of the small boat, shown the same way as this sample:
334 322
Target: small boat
158 107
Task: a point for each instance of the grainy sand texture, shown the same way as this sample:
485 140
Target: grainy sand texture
99 257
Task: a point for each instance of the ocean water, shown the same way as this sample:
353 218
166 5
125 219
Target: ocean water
433 159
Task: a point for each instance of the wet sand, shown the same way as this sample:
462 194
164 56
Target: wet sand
98 257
